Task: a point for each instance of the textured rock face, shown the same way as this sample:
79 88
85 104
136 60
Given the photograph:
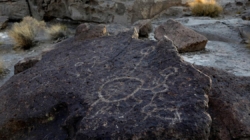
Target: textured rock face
113 87
185 39
102 11
229 105
14 9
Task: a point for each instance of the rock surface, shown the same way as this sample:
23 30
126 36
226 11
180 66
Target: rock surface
111 87
14 9
229 105
185 39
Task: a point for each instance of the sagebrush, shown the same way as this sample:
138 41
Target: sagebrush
25 32
57 31
205 8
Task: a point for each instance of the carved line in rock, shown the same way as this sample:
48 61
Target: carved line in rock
100 93
112 87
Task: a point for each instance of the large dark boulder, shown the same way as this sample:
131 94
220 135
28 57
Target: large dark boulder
229 105
112 87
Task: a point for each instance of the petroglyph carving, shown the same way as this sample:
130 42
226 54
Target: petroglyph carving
119 89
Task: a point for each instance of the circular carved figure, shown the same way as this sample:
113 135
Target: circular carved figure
119 89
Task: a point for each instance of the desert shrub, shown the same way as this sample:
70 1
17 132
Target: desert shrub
23 33
205 8
57 31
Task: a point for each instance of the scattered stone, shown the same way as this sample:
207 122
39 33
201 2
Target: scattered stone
112 87
229 105
3 22
25 64
144 27
88 31
185 39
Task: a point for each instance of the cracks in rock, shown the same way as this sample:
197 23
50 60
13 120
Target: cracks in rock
30 12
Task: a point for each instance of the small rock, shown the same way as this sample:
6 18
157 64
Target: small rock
144 27
25 64
185 39
3 22
88 31
246 16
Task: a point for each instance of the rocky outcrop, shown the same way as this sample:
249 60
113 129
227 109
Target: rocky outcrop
112 87
14 9
229 105
185 39
101 11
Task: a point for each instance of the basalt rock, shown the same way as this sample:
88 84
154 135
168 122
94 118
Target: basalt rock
229 105
111 87
185 39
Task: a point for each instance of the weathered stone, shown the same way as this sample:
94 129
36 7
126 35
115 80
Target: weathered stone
185 39
25 64
88 31
229 105
14 9
144 27
112 87
101 11
3 22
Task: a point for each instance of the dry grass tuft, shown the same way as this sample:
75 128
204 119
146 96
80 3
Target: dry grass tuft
57 31
205 8
23 33
29 30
